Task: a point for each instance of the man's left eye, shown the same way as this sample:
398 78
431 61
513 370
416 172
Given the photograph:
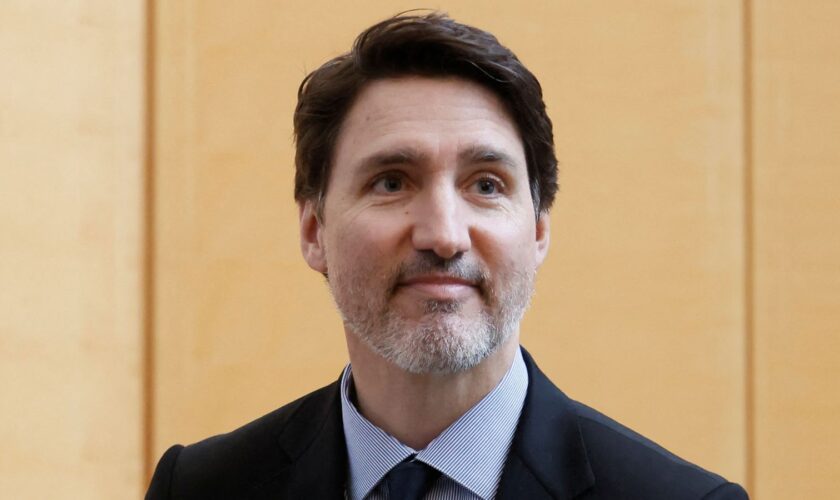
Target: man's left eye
487 186
388 184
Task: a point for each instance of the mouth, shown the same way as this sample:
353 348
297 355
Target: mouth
438 287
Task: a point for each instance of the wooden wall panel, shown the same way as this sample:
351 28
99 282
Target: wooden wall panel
796 171
71 183
640 308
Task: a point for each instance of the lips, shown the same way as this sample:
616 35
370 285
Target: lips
434 279
438 287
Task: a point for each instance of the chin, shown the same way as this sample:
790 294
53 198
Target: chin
440 343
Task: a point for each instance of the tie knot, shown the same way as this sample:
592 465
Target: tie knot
410 480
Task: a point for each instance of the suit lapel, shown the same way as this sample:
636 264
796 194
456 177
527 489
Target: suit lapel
547 457
313 442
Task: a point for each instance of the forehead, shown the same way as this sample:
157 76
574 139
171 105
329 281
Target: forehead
435 117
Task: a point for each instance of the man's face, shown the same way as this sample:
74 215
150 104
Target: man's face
428 235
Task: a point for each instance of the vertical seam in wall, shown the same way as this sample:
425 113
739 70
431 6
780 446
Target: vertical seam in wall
149 247
749 248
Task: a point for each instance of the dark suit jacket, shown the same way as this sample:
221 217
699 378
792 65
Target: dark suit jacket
562 450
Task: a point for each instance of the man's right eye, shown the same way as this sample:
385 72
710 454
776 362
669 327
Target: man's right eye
388 184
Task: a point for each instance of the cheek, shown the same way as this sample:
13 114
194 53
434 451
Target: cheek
362 242
507 245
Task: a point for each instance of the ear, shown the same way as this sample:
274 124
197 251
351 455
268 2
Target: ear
311 237
543 233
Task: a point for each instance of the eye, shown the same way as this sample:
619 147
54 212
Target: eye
487 186
388 184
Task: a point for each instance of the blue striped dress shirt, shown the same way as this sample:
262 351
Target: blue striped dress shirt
470 453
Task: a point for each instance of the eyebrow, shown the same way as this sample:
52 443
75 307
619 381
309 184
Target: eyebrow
401 156
470 155
480 153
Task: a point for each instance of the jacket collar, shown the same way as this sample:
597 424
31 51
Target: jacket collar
547 457
315 453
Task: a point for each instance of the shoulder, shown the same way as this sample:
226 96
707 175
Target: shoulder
238 461
574 449
623 460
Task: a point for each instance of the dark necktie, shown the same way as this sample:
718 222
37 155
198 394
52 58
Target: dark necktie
410 480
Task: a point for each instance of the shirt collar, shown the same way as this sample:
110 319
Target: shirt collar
472 451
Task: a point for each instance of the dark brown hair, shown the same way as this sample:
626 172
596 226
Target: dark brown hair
425 45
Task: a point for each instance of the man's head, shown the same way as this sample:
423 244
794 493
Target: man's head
435 46
424 221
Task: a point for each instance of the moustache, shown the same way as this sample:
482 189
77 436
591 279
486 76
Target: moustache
428 262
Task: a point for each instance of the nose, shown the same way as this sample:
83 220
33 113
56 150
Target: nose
440 223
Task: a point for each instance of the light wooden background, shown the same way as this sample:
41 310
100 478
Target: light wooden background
153 291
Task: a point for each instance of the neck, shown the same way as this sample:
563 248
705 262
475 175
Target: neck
416 408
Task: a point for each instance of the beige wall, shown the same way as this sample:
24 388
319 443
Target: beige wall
796 258
692 289
71 183
640 308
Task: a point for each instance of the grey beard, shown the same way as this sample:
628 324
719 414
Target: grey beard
443 346
443 342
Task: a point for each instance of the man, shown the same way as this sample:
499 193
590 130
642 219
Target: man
425 175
